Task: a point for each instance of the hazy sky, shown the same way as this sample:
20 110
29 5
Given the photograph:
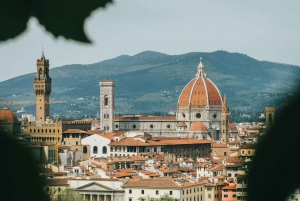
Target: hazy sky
264 30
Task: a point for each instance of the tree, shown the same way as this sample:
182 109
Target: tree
61 18
165 197
67 194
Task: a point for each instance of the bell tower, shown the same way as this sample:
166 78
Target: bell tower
42 89
107 105
270 116
225 121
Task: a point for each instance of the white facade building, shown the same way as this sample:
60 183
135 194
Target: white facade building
98 144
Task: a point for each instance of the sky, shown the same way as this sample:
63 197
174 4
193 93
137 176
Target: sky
264 30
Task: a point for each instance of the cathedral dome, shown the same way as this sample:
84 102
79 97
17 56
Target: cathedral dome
7 115
198 126
232 127
181 124
200 91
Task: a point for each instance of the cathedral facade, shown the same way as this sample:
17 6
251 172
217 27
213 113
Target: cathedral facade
202 113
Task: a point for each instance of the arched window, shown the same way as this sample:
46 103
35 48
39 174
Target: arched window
107 116
40 74
84 149
106 100
104 115
104 150
95 150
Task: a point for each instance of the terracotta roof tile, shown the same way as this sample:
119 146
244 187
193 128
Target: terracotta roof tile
154 183
75 131
198 126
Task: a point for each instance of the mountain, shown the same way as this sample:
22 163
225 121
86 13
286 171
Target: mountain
152 81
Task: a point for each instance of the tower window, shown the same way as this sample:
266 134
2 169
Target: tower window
105 100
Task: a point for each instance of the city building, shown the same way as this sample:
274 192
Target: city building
44 128
98 189
201 113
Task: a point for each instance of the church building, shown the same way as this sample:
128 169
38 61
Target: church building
202 113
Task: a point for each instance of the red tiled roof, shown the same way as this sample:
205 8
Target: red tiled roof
74 131
198 126
181 124
229 187
232 127
138 158
218 145
198 91
154 183
7 115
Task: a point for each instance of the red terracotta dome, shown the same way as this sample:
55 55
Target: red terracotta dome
232 127
198 126
181 124
7 115
200 91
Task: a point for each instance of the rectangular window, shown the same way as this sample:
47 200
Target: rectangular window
234 195
209 195
76 143
142 192
130 191
171 193
225 196
239 181
130 199
209 189
225 190
156 192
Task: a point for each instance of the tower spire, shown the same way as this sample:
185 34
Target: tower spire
43 56
200 73
225 107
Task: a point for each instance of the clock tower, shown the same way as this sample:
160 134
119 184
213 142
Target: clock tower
42 89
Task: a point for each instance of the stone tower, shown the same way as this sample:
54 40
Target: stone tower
225 120
42 89
107 105
270 116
